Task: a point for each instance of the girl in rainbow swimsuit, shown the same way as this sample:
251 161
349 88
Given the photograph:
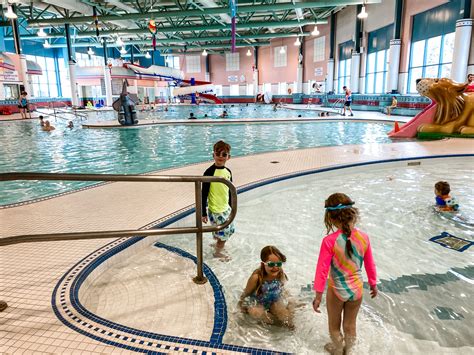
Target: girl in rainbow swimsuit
342 254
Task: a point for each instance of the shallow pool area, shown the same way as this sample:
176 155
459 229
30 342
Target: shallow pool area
146 149
425 299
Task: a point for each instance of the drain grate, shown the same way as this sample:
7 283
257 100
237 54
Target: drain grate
414 163
275 162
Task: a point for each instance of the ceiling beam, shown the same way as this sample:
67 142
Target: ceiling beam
161 48
187 40
240 26
209 11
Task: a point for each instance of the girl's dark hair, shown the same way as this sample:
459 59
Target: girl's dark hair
344 217
261 272
443 187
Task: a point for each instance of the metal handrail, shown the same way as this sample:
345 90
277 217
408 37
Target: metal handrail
198 229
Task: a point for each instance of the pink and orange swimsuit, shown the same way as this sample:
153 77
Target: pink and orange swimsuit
345 277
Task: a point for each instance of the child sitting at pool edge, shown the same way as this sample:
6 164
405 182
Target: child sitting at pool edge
444 202
265 288
217 197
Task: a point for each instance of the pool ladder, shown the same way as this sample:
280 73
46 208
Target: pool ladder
199 229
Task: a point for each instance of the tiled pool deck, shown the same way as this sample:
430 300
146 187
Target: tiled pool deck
41 281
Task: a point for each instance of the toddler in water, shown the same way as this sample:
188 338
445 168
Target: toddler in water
264 290
343 253
444 202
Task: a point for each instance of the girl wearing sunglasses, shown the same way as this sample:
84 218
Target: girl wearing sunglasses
264 290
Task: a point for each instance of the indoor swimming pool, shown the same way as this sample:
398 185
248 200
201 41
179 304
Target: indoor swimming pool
234 111
26 147
425 301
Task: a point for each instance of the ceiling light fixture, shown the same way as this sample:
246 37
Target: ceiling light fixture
315 31
248 53
90 51
363 15
282 50
41 33
46 44
147 55
204 53
123 51
119 42
297 42
10 14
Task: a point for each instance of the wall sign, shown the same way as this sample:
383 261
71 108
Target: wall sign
318 71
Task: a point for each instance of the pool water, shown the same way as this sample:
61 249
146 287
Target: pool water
425 301
234 111
133 151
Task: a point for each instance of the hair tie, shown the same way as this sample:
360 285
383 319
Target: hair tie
340 206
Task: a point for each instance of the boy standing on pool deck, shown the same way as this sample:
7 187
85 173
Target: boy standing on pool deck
217 197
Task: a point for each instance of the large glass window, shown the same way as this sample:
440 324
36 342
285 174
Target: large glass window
172 62
344 66
430 58
376 72
45 85
344 74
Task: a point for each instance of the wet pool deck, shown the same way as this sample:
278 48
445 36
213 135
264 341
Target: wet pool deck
30 272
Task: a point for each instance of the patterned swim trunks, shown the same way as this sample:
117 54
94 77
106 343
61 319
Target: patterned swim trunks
220 218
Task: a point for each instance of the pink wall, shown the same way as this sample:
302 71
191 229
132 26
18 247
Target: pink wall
219 75
308 59
412 7
267 73
198 76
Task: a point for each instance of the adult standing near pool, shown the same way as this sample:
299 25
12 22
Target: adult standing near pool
23 104
347 101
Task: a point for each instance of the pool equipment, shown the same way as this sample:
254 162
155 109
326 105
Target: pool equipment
124 105
451 242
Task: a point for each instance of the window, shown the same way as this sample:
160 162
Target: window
344 75
282 87
234 90
232 61
218 90
377 58
376 76
86 60
45 85
193 64
267 87
344 68
430 58
11 91
250 89
319 49
172 62
279 56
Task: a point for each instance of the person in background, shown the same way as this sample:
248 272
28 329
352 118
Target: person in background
392 106
70 125
47 126
23 104
224 114
470 83
191 116
41 120
347 101
444 202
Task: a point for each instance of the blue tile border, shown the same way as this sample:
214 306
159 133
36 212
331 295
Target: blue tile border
220 307
68 309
